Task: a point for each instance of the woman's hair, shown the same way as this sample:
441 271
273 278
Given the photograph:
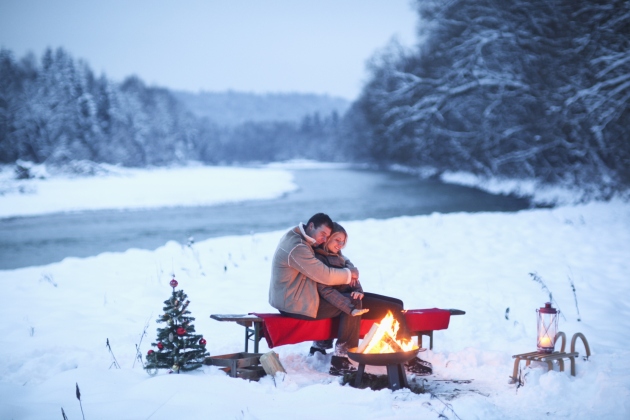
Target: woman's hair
337 228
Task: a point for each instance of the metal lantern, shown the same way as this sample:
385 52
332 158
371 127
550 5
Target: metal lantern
547 328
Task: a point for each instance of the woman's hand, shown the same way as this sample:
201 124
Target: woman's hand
356 295
354 277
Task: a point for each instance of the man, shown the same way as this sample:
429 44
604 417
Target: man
295 273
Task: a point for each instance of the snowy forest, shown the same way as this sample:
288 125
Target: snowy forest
516 88
519 89
231 108
55 110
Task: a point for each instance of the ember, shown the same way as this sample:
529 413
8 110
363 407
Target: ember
381 338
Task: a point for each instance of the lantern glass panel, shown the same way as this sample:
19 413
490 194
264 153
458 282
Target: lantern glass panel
547 328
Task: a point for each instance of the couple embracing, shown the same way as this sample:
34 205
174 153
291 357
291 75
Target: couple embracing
311 279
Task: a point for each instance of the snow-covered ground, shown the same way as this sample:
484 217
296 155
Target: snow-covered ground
58 317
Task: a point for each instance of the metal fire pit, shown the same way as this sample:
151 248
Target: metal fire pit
394 362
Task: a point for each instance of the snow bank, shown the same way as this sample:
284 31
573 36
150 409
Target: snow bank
58 317
531 188
127 188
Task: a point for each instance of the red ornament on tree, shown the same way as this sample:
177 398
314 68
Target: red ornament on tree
150 352
173 283
181 331
160 345
202 341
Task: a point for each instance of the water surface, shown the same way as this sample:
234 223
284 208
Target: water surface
345 194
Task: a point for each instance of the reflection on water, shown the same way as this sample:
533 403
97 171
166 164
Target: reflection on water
345 194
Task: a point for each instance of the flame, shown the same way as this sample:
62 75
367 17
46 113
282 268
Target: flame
382 338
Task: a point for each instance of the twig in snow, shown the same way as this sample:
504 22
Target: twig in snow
441 414
48 278
520 379
63 414
115 362
575 298
144 332
195 253
79 398
540 281
162 405
138 356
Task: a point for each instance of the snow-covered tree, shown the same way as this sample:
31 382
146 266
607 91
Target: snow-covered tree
535 88
57 110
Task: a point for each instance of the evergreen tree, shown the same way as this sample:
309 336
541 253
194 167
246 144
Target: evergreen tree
178 347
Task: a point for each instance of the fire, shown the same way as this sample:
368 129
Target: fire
382 338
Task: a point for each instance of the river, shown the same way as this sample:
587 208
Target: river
345 194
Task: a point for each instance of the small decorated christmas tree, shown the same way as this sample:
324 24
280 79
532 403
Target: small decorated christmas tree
177 346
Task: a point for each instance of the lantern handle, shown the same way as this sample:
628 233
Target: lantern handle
564 340
584 341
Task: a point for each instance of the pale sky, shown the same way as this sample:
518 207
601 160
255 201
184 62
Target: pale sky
317 46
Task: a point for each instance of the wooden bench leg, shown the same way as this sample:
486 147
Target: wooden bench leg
517 361
572 359
561 365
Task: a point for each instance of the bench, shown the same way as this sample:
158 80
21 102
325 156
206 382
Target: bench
280 330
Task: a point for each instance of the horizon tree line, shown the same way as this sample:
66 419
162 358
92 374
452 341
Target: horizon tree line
514 88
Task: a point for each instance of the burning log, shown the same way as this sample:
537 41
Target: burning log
386 344
380 338
368 338
391 342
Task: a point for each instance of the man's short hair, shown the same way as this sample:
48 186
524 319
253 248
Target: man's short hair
320 219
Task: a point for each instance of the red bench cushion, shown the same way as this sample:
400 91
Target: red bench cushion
280 330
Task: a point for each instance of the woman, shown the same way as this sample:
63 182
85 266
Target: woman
345 297
353 300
